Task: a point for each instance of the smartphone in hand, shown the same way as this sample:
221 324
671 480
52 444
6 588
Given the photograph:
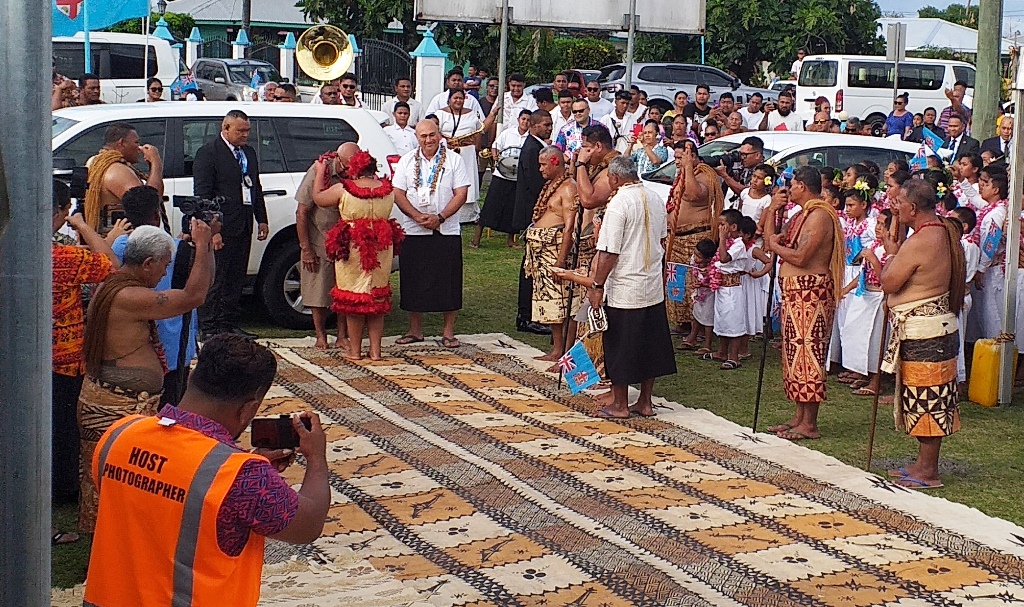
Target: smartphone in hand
276 432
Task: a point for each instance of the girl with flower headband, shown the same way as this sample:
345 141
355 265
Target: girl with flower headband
755 199
362 245
862 330
967 170
966 220
859 233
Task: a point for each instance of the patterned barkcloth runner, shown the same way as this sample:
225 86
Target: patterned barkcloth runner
466 477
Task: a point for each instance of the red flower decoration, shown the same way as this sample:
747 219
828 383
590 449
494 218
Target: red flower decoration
337 241
361 165
374 303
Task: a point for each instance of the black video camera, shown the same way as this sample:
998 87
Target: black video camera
75 177
202 209
730 159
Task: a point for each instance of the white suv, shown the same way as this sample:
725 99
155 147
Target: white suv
287 138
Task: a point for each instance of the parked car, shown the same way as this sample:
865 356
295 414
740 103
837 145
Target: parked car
580 77
287 138
662 81
120 60
793 149
229 79
862 86
778 85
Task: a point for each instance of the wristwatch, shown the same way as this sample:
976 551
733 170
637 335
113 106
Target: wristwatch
597 286
578 164
440 217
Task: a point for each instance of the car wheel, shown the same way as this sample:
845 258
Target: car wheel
280 292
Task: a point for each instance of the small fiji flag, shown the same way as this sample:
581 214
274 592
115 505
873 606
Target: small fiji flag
183 83
255 82
675 281
991 242
931 139
920 160
578 369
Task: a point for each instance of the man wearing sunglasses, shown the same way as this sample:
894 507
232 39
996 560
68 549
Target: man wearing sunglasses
154 91
570 138
286 93
821 123
349 84
599 106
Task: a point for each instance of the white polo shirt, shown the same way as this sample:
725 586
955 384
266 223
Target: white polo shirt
404 139
633 230
450 177
415 110
511 108
620 130
600 108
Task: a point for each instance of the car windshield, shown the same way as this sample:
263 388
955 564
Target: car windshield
818 73
242 73
709 153
611 72
61 124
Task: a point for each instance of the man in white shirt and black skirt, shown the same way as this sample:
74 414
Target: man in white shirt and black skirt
629 283
431 185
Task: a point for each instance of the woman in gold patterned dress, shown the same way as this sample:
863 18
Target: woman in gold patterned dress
362 245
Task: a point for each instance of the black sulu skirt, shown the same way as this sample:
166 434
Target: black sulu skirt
499 205
637 344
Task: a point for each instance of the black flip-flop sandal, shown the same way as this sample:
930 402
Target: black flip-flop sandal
408 339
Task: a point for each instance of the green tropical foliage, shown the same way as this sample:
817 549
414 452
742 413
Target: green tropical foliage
954 13
180 25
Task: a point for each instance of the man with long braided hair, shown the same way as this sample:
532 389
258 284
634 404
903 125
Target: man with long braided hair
925 284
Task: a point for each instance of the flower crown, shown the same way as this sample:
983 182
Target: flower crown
861 185
358 165
941 190
837 177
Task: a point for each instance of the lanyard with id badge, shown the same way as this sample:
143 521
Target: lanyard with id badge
425 191
243 164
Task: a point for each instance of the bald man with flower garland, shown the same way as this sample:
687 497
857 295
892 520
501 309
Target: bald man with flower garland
431 185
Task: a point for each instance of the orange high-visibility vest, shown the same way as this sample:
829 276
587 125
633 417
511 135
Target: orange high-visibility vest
161 486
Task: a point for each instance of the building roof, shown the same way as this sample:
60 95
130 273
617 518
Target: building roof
938 33
264 12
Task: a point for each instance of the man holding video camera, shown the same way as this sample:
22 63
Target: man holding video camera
227 167
191 504
749 155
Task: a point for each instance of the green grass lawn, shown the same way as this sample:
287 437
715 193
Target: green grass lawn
984 464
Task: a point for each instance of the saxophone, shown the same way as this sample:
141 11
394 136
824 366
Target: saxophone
454 143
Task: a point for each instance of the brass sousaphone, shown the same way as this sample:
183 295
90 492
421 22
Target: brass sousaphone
324 52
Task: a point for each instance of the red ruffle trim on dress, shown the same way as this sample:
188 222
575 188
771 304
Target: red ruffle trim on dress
380 191
375 303
368 236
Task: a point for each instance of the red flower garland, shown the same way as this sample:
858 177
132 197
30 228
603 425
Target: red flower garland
380 191
374 303
366 235
337 241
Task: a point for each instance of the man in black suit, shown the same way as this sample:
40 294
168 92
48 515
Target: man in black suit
529 183
999 146
226 166
958 141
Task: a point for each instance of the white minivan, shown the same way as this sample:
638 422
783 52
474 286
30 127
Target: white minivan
862 86
120 60
287 137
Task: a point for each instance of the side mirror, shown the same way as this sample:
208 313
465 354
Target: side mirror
736 84
219 80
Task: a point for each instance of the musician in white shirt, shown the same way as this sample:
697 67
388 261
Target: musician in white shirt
453 81
400 133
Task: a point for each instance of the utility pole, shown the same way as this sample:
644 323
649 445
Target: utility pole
25 296
987 80
247 17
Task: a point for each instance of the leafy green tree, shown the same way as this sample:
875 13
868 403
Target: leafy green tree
743 33
954 13
179 24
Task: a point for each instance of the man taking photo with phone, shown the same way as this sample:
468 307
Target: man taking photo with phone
193 507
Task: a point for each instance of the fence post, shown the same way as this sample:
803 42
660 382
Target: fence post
238 46
430 62
287 67
192 47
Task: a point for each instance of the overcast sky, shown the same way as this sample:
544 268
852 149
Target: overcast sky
1013 10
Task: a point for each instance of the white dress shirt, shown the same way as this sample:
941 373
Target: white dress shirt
440 100
557 122
600 108
449 178
415 110
404 139
511 108
634 223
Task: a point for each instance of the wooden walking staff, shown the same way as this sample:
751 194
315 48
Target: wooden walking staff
766 326
574 254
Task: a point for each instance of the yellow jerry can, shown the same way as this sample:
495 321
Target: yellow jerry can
984 386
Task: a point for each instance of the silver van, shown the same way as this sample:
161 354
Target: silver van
661 82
